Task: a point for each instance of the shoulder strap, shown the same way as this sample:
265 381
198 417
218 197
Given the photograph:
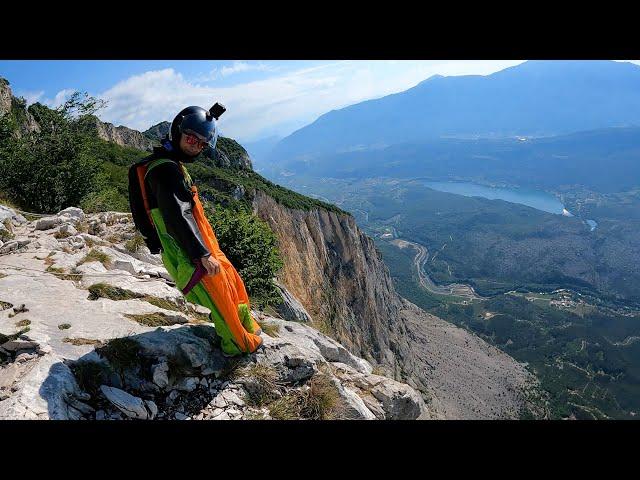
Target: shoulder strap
160 161
187 177
155 163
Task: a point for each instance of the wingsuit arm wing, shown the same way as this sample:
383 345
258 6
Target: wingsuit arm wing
174 202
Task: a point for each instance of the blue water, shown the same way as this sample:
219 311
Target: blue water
533 198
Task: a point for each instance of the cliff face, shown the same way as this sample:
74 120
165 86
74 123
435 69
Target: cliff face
5 96
17 108
158 131
334 270
123 136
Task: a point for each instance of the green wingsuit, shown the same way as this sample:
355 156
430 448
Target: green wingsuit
186 236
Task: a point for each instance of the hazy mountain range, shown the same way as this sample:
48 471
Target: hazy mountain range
533 99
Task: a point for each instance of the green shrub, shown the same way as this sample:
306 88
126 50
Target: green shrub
251 246
50 169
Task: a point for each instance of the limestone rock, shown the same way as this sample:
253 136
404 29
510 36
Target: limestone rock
187 384
16 345
131 406
73 214
46 223
7 213
291 309
159 373
153 409
232 398
67 229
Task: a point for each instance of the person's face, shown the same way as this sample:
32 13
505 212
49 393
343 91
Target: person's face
191 145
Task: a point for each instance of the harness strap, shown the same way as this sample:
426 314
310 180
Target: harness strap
142 174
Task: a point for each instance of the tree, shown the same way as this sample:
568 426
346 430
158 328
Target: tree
53 168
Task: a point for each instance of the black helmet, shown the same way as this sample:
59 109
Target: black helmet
199 122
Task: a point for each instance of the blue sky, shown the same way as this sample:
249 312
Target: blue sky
263 98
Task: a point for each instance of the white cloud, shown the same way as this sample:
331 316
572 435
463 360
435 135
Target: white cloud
56 101
242 67
31 97
235 67
61 97
277 104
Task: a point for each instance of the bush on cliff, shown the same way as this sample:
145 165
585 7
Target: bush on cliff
251 246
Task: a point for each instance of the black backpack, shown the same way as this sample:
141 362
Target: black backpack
139 204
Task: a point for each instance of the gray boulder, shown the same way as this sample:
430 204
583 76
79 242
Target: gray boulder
46 223
131 406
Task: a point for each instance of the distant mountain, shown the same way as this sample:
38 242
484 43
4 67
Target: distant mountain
260 150
606 160
536 98
157 132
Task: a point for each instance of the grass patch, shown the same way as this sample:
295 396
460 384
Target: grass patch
156 319
197 316
272 312
96 256
126 354
169 305
270 329
122 353
162 303
23 323
64 326
113 238
321 401
104 290
135 243
379 370
62 274
263 387
60 235
6 235
287 407
82 226
90 375
82 341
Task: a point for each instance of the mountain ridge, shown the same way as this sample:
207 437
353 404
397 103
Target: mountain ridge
561 97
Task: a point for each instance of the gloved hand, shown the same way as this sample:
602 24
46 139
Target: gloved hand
211 265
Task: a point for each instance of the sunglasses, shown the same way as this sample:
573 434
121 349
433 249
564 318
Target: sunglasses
193 140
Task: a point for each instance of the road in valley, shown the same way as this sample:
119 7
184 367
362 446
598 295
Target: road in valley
421 258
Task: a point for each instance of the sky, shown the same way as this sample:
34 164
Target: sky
263 98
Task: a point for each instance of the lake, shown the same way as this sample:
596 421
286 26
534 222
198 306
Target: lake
532 198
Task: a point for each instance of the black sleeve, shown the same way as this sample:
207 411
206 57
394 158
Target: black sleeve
174 201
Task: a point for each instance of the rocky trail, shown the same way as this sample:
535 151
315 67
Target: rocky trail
92 327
